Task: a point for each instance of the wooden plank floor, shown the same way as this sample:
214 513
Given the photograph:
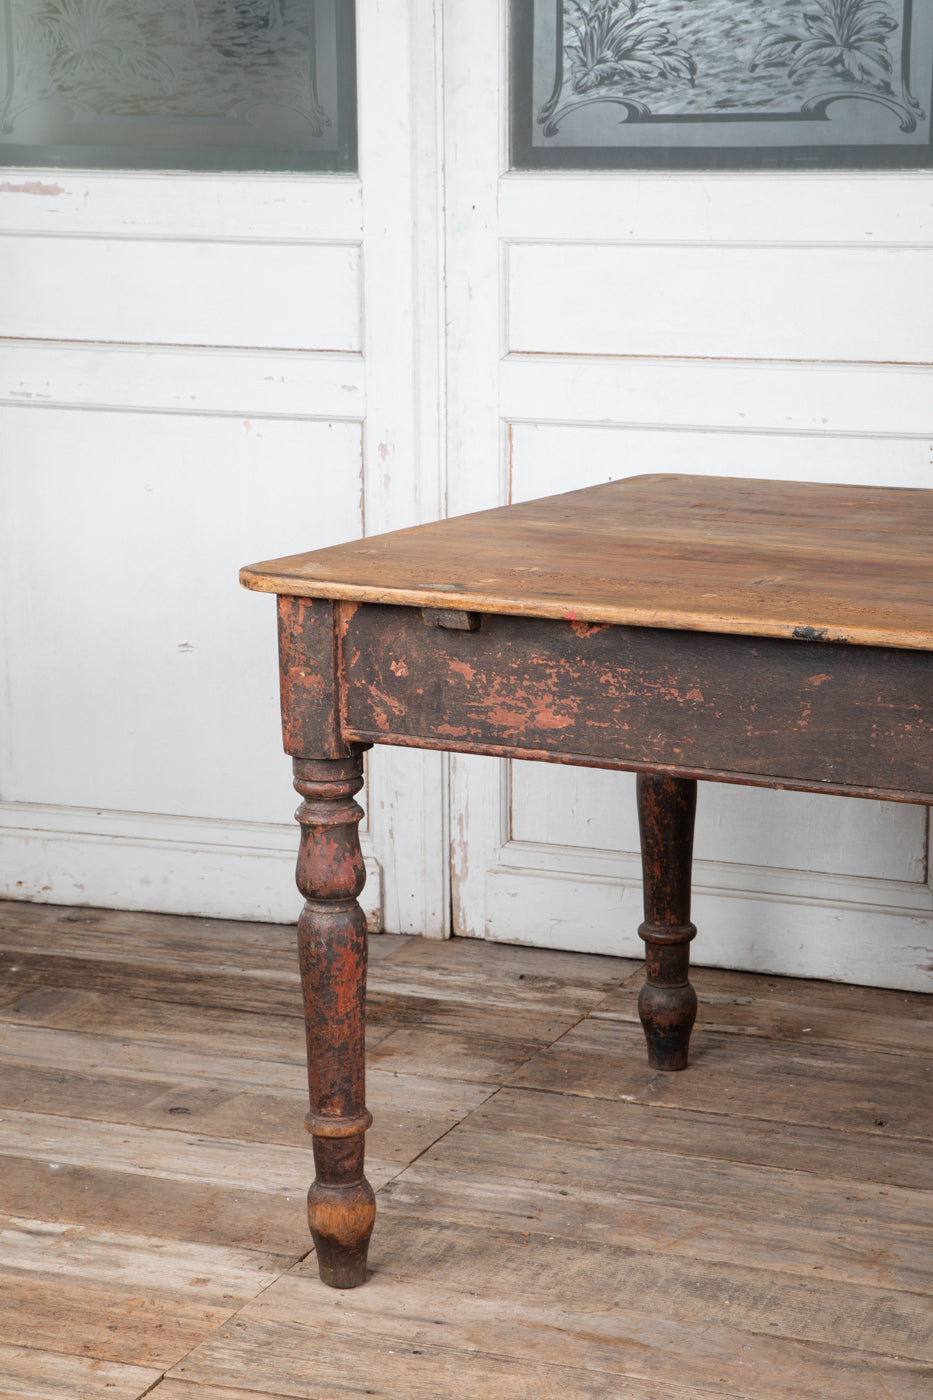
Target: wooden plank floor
555 1218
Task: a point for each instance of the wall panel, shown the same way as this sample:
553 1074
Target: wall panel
732 301
140 676
544 457
281 295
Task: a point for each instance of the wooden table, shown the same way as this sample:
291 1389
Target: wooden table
776 634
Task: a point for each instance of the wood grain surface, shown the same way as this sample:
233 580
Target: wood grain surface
556 1218
709 554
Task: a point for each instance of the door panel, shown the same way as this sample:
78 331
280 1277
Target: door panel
554 806
765 302
280 295
539 454
857 402
184 390
605 324
132 623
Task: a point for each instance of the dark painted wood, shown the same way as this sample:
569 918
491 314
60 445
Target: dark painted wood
807 714
667 1003
308 678
332 955
332 944
767 633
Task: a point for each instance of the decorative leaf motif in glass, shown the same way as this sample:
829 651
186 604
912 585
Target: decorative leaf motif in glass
615 40
721 83
847 37
190 84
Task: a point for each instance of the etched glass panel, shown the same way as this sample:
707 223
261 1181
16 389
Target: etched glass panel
727 84
179 84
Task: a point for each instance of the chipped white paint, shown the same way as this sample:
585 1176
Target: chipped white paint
185 390
606 324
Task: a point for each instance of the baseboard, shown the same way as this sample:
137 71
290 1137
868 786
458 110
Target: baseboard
163 864
875 941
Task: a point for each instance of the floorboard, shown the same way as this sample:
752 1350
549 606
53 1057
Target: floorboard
858 1089
556 1328
778 1008
556 1219
29 1374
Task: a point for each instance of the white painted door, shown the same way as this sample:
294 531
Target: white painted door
608 323
198 370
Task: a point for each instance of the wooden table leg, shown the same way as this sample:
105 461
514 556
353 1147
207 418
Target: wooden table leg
332 953
667 1003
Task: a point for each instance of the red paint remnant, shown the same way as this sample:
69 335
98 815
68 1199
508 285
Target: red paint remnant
514 721
668 692
547 719
695 694
462 668
398 668
452 731
394 705
818 679
588 629
571 616
383 450
30 187
509 721
345 612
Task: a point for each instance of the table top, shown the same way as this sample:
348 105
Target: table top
709 554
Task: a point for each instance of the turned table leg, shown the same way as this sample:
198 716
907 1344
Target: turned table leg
667 1004
332 954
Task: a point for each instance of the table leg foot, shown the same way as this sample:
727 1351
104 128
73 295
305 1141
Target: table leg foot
332 954
341 1213
667 1003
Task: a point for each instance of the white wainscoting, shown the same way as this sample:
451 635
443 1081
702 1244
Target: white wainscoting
284 295
183 390
732 301
141 755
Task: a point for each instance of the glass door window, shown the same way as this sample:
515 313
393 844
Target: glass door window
721 84
178 84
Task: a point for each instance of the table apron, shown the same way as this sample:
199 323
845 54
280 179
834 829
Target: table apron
804 714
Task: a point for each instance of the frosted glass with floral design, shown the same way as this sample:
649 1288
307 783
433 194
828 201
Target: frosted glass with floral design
187 84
